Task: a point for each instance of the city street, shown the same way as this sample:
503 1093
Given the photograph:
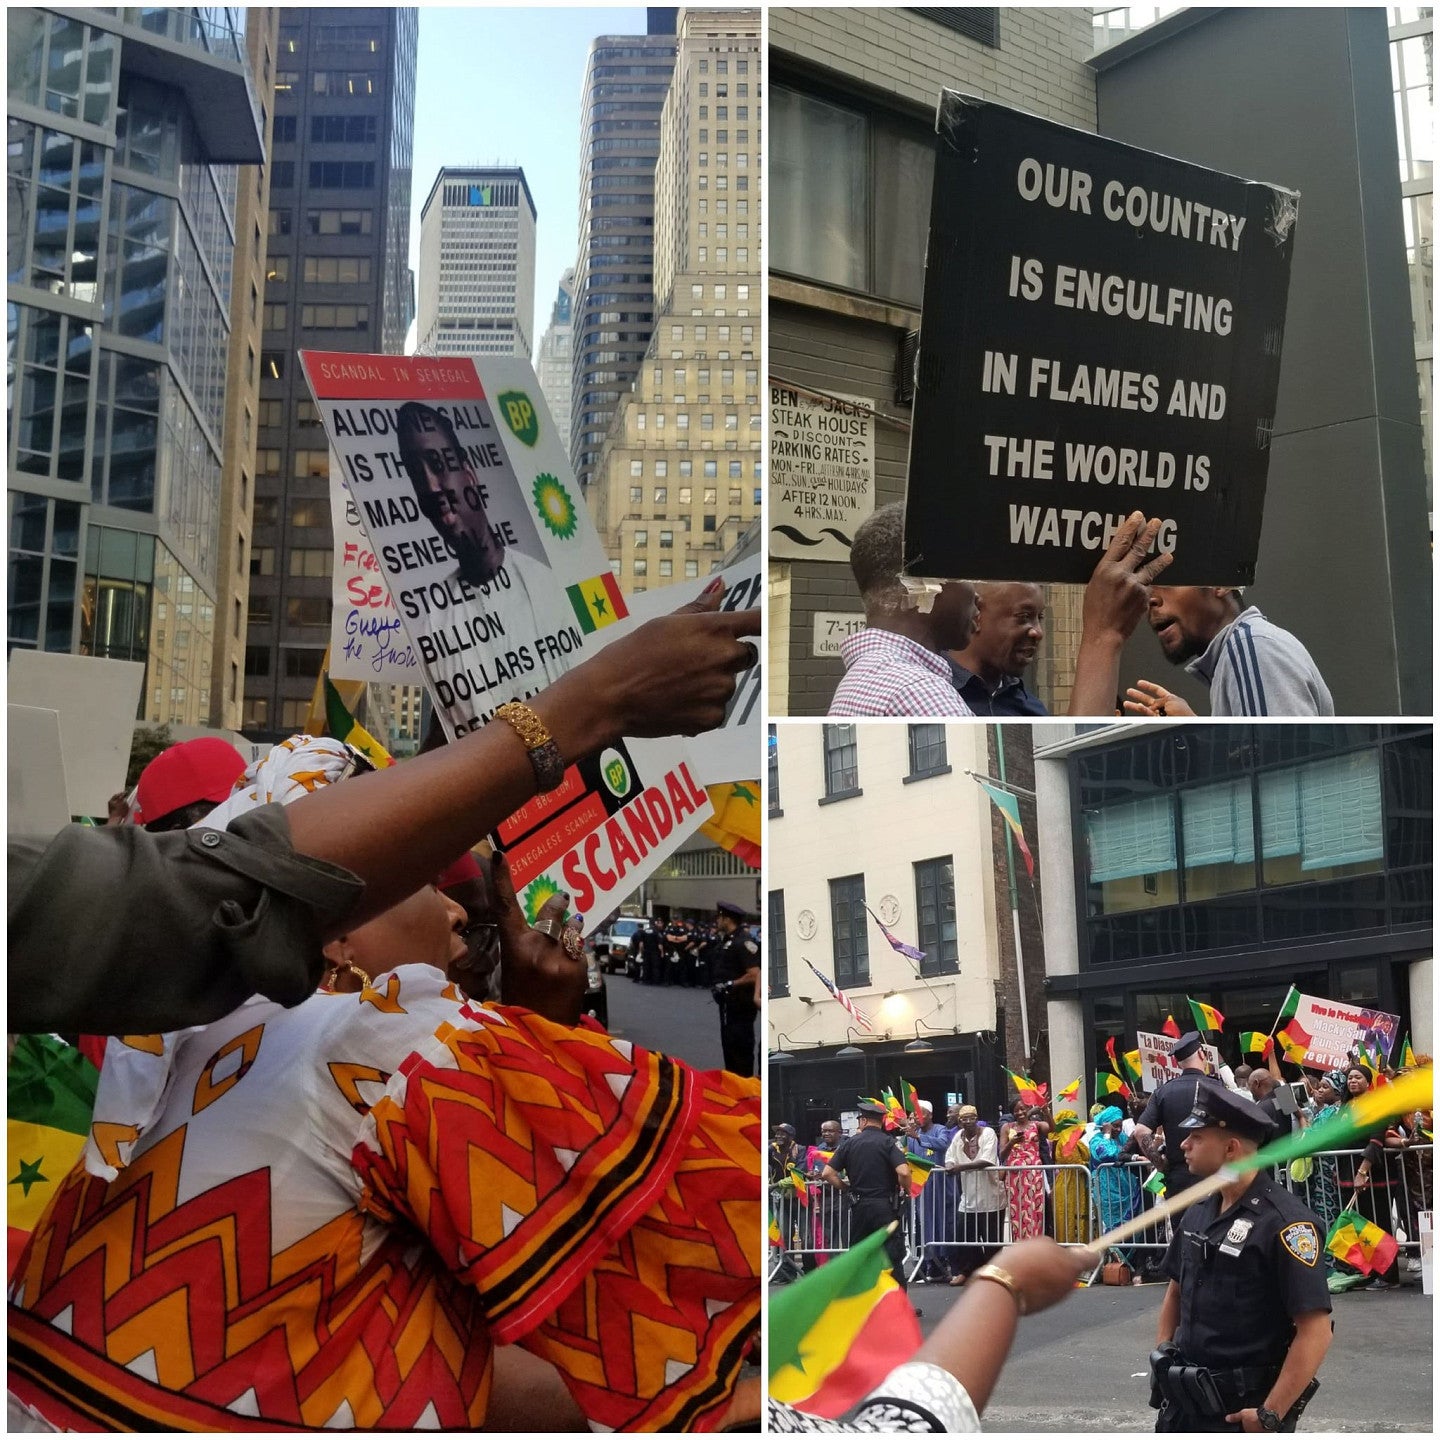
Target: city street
1082 1366
683 1023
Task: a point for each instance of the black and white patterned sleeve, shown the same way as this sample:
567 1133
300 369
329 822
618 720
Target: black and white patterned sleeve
915 1398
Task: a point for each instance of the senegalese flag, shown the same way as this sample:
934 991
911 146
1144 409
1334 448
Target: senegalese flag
1127 1067
1009 807
1155 1185
913 1100
1361 1243
773 1232
343 726
837 1333
1255 1042
894 1110
921 1169
1407 1055
1030 1091
802 1188
1108 1084
1170 1028
1132 1064
1070 1095
1207 1017
1292 1037
51 1101
1373 1064
735 823
597 603
1067 1132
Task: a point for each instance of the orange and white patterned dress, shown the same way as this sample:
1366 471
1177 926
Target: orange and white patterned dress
342 1208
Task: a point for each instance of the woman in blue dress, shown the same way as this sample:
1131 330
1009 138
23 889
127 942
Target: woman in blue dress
1117 1190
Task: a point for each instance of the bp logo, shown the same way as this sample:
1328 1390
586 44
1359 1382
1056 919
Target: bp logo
615 773
520 416
555 507
536 894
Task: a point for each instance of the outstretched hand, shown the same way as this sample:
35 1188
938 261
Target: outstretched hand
1145 697
1118 592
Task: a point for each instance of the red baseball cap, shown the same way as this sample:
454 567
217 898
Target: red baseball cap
194 770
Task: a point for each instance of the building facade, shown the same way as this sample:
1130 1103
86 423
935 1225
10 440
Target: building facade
850 164
552 360
626 81
131 135
1227 863
885 819
336 279
678 479
477 263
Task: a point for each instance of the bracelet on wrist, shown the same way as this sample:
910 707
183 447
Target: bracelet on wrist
1003 1278
545 758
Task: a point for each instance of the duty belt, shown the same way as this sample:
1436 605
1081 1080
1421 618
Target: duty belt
1203 1390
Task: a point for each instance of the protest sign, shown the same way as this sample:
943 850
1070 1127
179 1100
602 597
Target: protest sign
822 472
1101 333
1335 1029
1156 1066
731 752
367 638
36 801
96 701
464 493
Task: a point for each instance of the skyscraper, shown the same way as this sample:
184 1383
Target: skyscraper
679 474
552 360
626 80
339 228
477 263
119 336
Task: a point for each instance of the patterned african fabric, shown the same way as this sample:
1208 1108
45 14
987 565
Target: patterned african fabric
343 1208
1026 1187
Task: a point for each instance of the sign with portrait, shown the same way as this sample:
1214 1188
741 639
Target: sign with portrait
1156 1065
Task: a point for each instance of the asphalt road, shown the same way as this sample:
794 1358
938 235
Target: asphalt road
680 1022
1082 1365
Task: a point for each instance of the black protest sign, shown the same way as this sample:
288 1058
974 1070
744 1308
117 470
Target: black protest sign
1101 334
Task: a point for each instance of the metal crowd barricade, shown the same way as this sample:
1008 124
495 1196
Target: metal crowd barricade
1081 1203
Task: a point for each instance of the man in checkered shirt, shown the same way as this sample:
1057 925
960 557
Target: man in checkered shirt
896 664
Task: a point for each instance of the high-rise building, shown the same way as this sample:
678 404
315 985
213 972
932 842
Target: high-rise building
552 360
679 475
477 263
626 80
119 332
336 279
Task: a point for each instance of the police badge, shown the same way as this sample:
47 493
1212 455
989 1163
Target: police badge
1302 1241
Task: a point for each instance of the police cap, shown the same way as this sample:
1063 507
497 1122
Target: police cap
1222 1109
1186 1045
871 1107
728 907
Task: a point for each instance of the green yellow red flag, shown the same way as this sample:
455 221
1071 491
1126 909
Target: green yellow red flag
1361 1243
343 726
597 602
1207 1017
734 824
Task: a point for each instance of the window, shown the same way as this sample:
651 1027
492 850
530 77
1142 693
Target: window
337 270
334 317
311 564
642 539
282 174
283 132
927 751
692 569
709 526
308 610
338 222
302 664
775 942
772 773
662 469
849 935
842 767
311 465
257 661
1217 829
278 222
267 461
667 539
267 512
637 469
342 129
309 514
685 492
1131 849
1322 821
276 317
935 911
661 492
667 569
640 565
687 468
637 494
272 364
272 413
262 561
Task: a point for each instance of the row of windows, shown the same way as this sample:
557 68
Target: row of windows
323 222
842 760
303 564
318 317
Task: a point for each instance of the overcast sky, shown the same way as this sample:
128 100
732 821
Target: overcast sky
503 86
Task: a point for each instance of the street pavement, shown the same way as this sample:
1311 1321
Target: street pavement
1083 1365
679 1022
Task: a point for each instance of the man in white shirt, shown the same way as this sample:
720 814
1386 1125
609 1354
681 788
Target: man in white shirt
973 1154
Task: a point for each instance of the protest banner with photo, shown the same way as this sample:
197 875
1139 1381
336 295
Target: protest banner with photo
367 637
731 752
822 472
1335 1029
464 493
1156 1065
1101 333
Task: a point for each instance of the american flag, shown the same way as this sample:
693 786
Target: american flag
861 1018
896 943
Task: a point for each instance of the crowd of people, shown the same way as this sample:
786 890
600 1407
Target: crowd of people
372 1169
962 648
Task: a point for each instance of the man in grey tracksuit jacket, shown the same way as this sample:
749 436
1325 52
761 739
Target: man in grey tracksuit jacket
1250 666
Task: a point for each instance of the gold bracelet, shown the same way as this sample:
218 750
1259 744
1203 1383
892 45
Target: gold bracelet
1001 1277
544 753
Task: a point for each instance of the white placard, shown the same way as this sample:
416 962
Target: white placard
831 627
36 801
1156 1064
822 472
97 701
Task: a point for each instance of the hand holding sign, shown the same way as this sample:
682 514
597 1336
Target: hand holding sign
536 970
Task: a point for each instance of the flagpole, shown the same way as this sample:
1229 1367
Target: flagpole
939 1003
1014 904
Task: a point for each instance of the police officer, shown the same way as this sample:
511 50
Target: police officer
1245 1321
875 1168
652 954
735 964
1167 1107
675 952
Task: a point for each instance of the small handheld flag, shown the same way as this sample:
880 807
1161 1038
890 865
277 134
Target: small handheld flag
1107 1084
1361 1243
1255 1042
1170 1028
1028 1090
1207 1017
1070 1095
343 726
1407 1055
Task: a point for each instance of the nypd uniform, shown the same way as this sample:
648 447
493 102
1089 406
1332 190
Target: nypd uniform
1245 1272
1167 1108
731 957
869 1159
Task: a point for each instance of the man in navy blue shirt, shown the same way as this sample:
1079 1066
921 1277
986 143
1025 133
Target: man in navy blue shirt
1009 626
